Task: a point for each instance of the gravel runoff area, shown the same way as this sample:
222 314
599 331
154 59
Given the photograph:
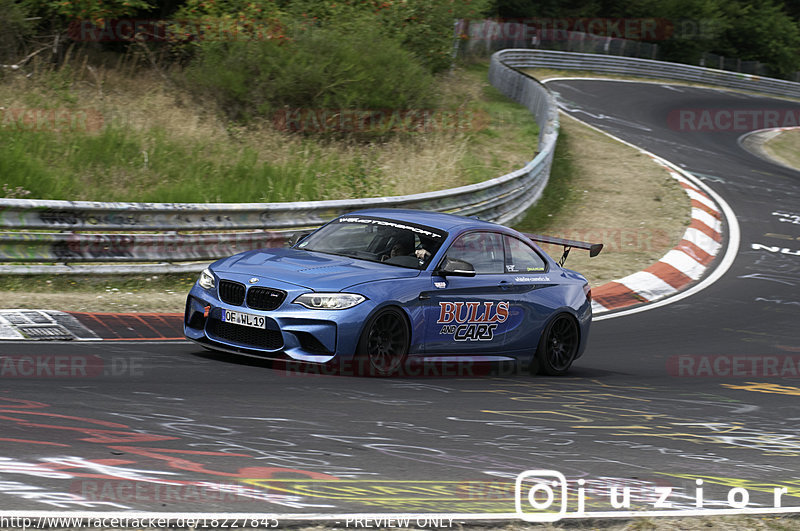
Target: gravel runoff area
785 148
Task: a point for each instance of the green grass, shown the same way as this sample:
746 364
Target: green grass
786 148
559 193
157 144
112 165
508 126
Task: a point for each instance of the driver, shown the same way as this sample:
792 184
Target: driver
398 249
424 244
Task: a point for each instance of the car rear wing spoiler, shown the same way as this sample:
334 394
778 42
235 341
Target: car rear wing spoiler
593 248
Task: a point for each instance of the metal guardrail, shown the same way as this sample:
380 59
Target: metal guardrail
501 199
71 247
630 66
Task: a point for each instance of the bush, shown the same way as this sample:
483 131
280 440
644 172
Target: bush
15 28
423 27
354 67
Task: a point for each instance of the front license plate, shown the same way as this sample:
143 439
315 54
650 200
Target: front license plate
244 319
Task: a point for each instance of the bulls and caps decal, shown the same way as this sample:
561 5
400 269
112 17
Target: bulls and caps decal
471 321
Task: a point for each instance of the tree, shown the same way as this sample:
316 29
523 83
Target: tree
16 27
761 30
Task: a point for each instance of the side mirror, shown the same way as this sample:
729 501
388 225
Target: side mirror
297 237
456 268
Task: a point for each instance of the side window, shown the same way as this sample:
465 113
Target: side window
484 250
521 258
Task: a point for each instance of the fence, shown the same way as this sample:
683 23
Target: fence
720 62
149 232
636 67
482 37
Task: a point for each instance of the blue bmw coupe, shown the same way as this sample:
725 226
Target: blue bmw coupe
387 287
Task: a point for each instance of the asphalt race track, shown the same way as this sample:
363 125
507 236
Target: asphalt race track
704 389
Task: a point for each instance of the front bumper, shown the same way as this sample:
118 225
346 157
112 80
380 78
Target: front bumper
292 332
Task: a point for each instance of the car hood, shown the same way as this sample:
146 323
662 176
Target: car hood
312 270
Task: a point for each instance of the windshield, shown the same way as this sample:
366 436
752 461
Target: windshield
378 240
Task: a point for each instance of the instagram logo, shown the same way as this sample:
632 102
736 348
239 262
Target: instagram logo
540 495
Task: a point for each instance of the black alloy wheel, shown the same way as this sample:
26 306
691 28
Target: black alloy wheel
385 342
558 346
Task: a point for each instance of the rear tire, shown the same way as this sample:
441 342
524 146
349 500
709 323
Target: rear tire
558 346
385 342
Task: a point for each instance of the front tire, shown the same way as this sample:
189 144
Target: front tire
558 346
385 342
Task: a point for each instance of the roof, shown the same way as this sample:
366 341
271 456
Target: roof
438 220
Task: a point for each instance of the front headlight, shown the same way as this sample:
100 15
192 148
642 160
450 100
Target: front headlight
206 279
329 301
